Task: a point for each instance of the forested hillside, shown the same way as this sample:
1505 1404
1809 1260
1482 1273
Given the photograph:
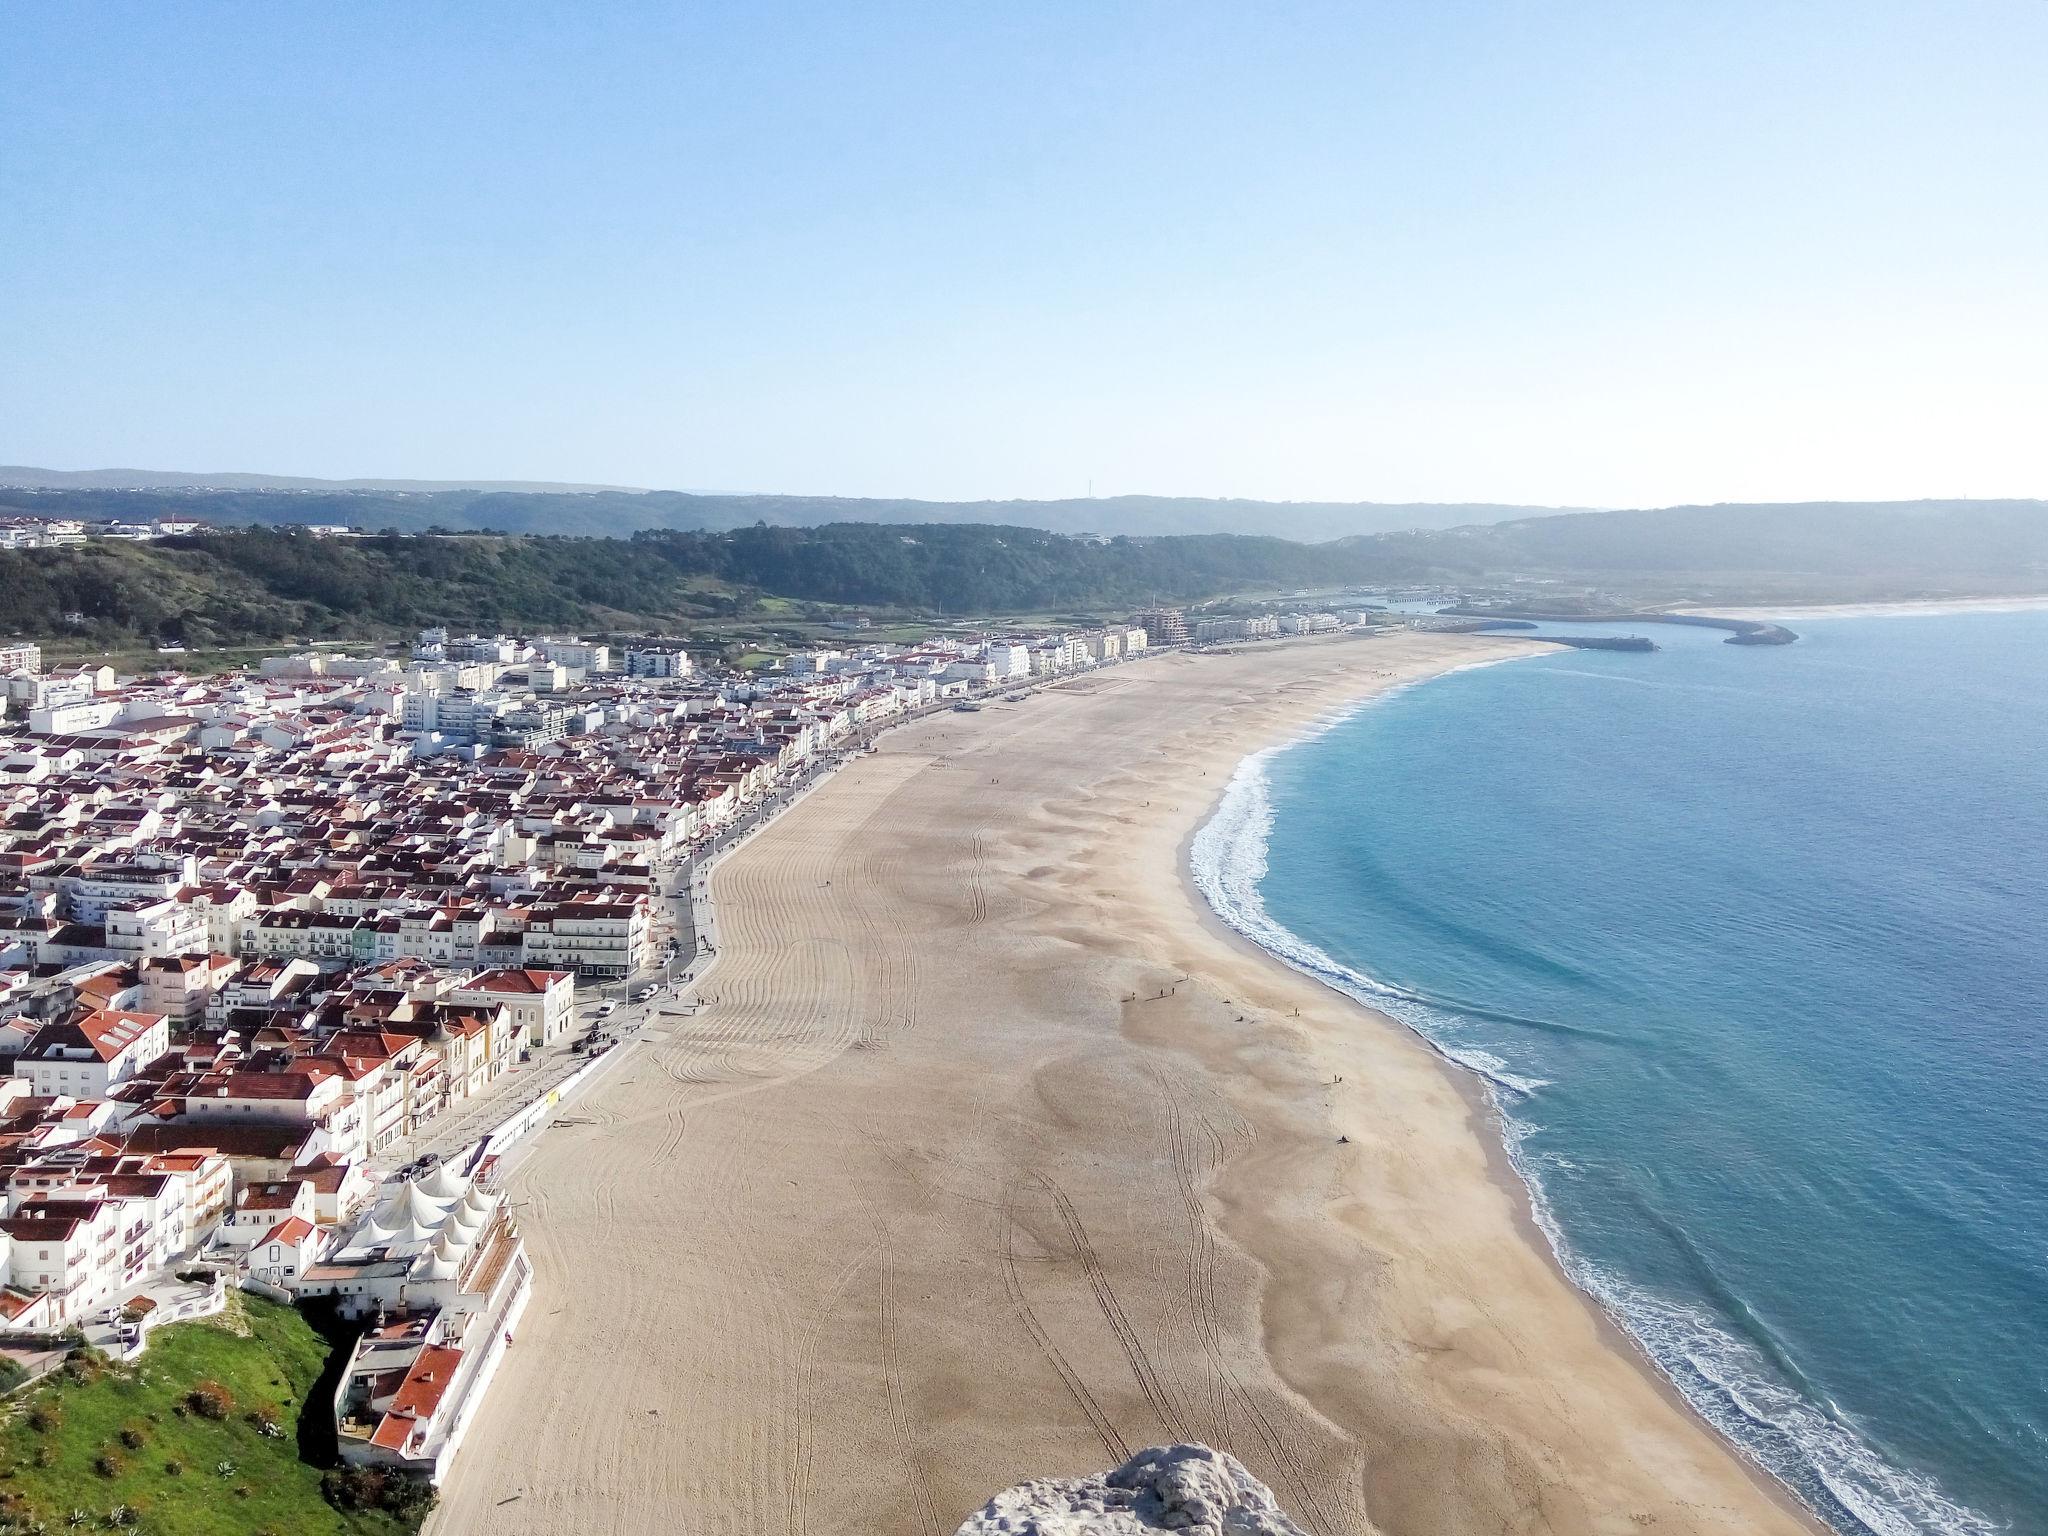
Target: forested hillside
1839 548
603 512
254 585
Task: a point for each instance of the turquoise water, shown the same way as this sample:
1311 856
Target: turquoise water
1751 945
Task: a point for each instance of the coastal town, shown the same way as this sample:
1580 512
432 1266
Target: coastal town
295 961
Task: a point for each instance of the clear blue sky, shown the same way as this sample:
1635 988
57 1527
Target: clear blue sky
1605 254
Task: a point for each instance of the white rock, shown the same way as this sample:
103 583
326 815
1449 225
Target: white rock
1186 1488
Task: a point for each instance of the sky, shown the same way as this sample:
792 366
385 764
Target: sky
1568 254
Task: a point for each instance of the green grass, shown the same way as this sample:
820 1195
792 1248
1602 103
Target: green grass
269 1371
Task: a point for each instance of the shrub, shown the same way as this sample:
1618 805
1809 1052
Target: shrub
210 1400
47 1416
364 1489
107 1464
89 1364
134 1436
352 1489
174 1468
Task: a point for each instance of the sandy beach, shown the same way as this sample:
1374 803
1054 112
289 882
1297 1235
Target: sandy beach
993 1156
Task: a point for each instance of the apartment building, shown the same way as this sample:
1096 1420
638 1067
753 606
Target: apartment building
86 1057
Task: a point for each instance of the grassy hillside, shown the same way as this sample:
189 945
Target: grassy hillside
134 1447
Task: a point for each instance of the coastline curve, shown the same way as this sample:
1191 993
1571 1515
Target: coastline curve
1725 1378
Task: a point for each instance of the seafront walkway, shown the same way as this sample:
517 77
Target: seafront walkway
692 917
685 886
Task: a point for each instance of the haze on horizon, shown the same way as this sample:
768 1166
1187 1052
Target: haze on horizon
1588 255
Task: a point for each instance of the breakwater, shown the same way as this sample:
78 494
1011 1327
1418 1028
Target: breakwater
1740 631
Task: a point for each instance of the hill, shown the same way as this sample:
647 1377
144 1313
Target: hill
27 477
263 585
221 1428
1770 551
609 511
254 585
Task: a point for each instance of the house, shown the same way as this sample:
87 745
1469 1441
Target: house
68 1250
284 1252
255 1152
178 986
86 1057
542 1004
339 1187
261 1207
440 1262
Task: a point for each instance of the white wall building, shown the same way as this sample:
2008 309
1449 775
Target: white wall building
542 1003
656 661
83 1058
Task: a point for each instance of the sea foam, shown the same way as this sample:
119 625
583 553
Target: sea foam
1726 1379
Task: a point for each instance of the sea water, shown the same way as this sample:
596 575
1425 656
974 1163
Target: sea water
1750 945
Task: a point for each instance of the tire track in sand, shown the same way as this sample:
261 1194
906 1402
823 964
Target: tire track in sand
1189 1164
1133 1347
899 1413
1013 1288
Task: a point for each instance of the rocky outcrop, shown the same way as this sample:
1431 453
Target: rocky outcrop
1187 1488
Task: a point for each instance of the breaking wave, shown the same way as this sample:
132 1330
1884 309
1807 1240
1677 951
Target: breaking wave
1741 1386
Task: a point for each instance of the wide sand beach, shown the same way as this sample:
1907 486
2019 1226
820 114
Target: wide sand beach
995 1157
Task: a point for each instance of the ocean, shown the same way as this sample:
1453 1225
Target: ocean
1750 946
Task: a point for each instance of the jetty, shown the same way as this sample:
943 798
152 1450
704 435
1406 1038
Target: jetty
1740 631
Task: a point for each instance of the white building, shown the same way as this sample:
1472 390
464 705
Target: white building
542 1003
576 654
155 929
440 1258
77 715
656 661
83 1058
591 938
101 885
59 1260
1010 661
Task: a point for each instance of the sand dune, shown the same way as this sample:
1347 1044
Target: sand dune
942 1195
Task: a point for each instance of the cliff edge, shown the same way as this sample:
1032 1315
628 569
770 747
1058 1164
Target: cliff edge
1186 1488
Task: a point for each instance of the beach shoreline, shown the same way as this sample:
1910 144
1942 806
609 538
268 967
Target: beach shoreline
1478 1094
997 1156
